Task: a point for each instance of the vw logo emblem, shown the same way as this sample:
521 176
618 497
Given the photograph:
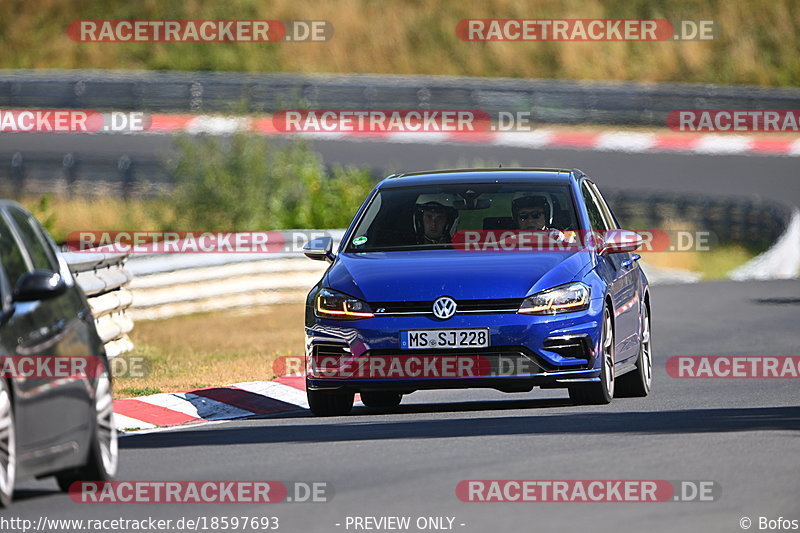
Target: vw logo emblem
444 307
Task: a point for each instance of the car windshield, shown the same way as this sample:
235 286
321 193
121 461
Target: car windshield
433 217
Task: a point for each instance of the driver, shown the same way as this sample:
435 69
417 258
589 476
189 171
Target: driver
531 213
434 219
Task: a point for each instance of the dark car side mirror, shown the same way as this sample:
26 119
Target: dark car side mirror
39 285
620 240
319 249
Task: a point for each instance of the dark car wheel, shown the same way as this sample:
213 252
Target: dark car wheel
381 399
8 446
101 464
599 393
637 383
330 403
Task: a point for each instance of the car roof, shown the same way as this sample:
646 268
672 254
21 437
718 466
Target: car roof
481 175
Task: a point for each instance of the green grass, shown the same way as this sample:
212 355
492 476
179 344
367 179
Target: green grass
718 263
712 265
756 42
128 392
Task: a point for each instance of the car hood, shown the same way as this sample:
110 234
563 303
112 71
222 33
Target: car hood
426 275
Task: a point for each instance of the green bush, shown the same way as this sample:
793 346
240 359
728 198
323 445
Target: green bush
246 182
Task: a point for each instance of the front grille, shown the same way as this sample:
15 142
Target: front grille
491 306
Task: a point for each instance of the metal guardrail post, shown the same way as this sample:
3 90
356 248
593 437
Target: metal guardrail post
70 173
125 168
18 174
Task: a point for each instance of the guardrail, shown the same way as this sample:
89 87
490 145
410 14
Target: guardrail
104 279
549 101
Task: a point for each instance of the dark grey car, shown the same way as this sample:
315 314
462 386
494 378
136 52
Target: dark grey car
48 425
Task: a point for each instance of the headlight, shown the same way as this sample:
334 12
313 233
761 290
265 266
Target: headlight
332 304
561 299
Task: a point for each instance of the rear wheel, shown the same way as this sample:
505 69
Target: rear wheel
8 446
381 399
101 464
603 392
330 403
638 382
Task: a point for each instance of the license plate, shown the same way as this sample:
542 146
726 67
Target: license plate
416 339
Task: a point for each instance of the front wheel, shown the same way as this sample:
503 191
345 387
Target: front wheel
330 403
599 393
8 446
101 463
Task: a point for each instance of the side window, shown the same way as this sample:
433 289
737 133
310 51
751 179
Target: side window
595 214
11 255
606 210
40 253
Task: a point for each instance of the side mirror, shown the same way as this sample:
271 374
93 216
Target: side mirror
319 249
620 240
39 285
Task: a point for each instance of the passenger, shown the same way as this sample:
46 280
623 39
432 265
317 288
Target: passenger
531 213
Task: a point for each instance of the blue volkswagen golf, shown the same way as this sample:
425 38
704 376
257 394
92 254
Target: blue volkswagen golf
503 278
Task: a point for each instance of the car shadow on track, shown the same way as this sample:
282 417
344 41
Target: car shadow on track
596 422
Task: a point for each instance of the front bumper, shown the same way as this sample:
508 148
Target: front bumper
525 351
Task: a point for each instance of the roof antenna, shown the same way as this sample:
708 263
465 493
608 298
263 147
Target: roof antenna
501 165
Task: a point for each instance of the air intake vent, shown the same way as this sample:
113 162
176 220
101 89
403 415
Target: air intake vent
573 346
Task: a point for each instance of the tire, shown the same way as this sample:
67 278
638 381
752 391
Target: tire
599 393
103 458
636 384
381 399
8 446
330 403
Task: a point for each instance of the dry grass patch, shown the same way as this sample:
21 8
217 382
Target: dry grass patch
214 349
756 42
62 215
